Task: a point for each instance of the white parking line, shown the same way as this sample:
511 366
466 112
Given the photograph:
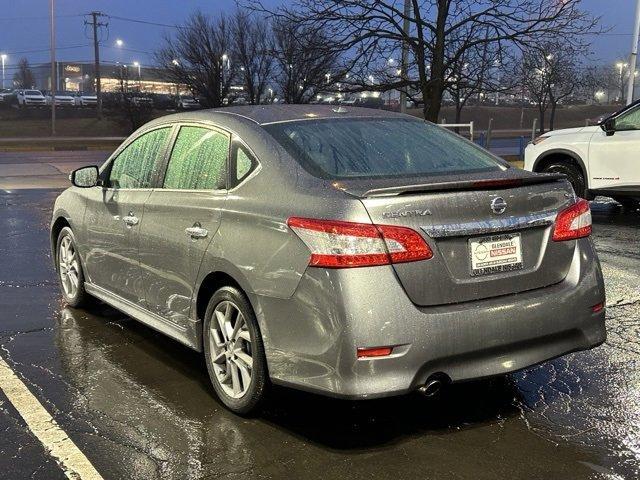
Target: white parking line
72 461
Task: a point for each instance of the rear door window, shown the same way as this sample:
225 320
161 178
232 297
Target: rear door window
137 164
198 160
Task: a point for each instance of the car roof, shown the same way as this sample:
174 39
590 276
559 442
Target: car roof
264 114
243 119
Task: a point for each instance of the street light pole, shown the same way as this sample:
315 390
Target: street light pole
634 55
3 57
404 61
621 66
137 64
53 68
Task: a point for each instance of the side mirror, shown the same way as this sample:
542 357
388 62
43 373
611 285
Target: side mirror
85 177
609 126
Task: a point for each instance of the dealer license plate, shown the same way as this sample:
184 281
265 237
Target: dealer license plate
495 254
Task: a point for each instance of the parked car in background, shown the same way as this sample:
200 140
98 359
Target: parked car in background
598 160
351 101
112 100
357 254
30 98
141 101
63 98
6 96
187 102
84 99
164 101
369 102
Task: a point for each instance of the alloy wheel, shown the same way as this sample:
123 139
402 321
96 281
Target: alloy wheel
68 267
230 346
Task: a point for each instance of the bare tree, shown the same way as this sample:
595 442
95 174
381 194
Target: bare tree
252 49
126 105
551 74
440 32
478 73
598 83
23 78
198 56
304 64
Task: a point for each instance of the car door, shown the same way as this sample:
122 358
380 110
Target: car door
115 212
614 160
182 218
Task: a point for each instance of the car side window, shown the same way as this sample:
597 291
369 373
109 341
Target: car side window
629 120
244 163
198 160
135 166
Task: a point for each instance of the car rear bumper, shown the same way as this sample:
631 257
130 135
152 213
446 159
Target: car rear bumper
311 338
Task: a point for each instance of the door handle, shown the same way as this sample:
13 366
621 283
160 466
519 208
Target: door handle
130 220
196 231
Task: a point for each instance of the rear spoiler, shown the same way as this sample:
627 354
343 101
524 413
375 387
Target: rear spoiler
487 184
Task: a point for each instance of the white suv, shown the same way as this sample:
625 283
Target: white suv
598 160
30 98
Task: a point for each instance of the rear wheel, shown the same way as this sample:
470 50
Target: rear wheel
70 270
234 351
574 175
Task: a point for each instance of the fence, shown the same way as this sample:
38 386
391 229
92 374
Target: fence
459 125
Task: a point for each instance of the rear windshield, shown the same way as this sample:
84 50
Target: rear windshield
357 148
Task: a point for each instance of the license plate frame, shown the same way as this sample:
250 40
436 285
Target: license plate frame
480 262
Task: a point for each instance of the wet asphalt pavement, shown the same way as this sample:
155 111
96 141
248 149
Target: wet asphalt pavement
140 406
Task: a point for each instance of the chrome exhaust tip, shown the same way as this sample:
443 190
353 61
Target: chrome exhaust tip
431 388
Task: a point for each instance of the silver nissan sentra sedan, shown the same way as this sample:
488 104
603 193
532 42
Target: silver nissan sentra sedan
351 252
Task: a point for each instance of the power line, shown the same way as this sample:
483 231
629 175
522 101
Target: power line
13 19
127 49
145 22
68 47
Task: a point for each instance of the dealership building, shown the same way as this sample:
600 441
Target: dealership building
80 76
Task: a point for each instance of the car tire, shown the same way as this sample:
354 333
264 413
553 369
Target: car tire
574 175
234 353
628 204
69 268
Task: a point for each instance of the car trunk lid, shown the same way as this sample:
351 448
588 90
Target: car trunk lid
458 219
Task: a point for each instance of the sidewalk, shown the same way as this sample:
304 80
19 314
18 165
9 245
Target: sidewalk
26 144
44 169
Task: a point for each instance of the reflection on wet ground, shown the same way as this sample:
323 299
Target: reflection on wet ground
140 406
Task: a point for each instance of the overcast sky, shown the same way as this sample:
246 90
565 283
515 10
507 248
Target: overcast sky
24 28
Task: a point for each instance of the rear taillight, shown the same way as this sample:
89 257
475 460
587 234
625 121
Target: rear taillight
336 244
573 222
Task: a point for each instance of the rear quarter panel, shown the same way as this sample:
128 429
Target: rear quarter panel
254 240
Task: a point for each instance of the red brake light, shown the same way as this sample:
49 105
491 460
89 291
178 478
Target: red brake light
337 244
573 222
374 352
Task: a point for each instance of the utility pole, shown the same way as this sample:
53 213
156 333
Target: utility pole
634 55
404 61
53 67
96 53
